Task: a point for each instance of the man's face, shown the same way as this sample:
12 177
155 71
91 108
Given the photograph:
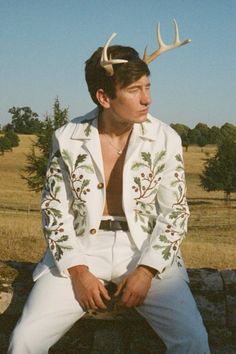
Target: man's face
132 102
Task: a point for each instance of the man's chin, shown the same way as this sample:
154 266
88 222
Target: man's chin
142 118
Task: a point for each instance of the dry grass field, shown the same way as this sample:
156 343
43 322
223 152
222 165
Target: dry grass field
211 240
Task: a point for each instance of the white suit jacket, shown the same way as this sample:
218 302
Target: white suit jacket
153 198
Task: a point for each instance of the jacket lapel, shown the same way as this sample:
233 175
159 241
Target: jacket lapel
86 131
141 133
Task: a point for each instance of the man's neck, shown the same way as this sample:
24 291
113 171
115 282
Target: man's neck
113 127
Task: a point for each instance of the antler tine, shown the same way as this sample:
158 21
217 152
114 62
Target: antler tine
164 47
178 42
106 63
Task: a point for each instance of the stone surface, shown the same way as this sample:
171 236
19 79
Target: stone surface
122 331
229 280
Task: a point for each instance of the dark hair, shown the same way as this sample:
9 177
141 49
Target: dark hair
124 74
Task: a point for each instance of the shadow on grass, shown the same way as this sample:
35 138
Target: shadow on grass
210 200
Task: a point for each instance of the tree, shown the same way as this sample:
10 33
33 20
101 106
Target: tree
204 130
183 131
215 135
219 172
5 144
36 166
24 120
202 141
13 137
228 131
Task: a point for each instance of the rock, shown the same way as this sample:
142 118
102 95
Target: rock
119 331
229 281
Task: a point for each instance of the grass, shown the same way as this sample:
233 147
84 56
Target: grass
211 240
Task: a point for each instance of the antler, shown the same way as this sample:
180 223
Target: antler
106 63
164 47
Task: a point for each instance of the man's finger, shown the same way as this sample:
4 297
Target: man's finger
98 301
92 304
119 288
125 297
104 292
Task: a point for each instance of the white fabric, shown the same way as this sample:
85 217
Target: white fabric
51 308
153 194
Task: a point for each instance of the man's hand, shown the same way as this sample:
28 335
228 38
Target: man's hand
87 288
134 287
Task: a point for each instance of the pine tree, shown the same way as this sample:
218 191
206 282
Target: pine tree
219 173
36 166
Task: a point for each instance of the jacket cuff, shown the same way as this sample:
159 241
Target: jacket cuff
77 259
150 259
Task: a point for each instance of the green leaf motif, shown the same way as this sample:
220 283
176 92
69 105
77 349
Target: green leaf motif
164 239
57 189
85 183
56 212
166 252
137 165
158 157
146 187
157 247
81 158
146 156
160 168
63 238
137 181
58 254
145 229
87 130
80 232
87 168
179 158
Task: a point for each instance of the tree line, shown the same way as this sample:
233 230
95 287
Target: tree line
202 135
219 173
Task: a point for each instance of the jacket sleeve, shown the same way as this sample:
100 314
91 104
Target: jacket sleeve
171 226
57 215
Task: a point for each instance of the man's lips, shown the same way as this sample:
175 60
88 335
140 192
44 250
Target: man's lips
144 111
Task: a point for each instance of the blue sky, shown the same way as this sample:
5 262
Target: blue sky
44 44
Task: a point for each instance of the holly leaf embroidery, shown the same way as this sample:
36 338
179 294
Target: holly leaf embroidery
146 156
80 159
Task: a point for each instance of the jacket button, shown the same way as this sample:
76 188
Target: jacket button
100 185
93 231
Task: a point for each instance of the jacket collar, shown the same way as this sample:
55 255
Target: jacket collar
86 127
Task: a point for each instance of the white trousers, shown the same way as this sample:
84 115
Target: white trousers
51 308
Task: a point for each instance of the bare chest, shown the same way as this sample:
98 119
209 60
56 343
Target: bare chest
113 171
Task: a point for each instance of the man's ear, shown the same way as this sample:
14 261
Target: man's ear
102 98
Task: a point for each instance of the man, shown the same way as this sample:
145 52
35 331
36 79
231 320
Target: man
114 209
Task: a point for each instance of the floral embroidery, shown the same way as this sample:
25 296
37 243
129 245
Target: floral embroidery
145 186
54 231
178 216
53 227
80 188
87 129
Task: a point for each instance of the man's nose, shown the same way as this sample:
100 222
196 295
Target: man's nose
146 98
